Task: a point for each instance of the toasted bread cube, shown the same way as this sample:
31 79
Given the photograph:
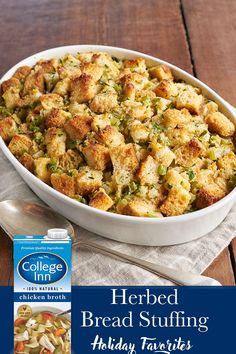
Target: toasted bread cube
49 65
208 195
69 72
110 136
228 164
191 101
174 179
55 140
179 135
166 89
20 144
78 127
51 100
174 117
83 88
125 163
129 90
140 207
96 155
139 133
70 160
85 57
136 79
41 169
79 109
124 156
138 65
104 102
11 83
34 80
63 183
176 202
162 154
161 72
22 72
105 60
210 107
100 122
11 97
8 128
137 110
147 172
220 124
187 155
204 177
92 69
88 180
56 118
101 200
27 161
62 87
69 67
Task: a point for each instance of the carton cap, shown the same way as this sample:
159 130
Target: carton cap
57 234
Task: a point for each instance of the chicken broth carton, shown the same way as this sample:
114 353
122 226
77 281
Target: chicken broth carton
42 293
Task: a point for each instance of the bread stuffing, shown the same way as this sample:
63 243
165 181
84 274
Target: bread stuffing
118 135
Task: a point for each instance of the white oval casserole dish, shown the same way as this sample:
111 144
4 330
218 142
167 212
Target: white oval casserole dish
130 229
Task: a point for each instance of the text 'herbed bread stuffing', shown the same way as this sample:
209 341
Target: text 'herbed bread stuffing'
118 135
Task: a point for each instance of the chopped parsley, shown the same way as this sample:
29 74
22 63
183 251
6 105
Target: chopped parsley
157 128
191 175
52 166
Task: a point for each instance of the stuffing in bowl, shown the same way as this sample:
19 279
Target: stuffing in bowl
119 135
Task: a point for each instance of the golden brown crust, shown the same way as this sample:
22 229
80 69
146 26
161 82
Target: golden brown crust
191 101
20 144
34 80
209 195
22 72
78 127
55 140
139 133
56 118
137 64
227 164
147 172
70 160
188 154
96 155
174 117
8 128
166 89
83 88
129 90
88 181
101 200
48 66
161 72
104 102
92 69
41 169
110 136
11 83
124 156
63 183
27 161
140 207
220 124
176 202
51 100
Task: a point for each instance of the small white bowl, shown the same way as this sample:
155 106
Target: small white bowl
130 229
